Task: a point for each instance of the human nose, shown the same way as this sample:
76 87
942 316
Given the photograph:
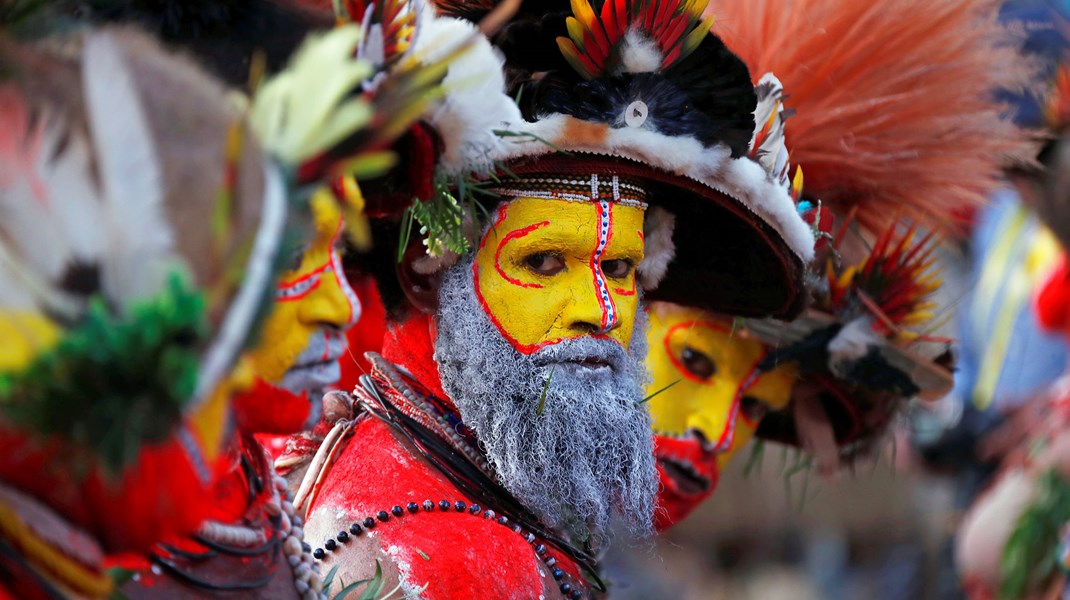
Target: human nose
716 429
591 309
333 303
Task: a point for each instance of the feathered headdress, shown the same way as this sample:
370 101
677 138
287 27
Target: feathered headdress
142 230
642 90
894 102
136 254
893 119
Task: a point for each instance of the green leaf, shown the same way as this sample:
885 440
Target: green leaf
1029 557
542 396
375 586
754 460
647 399
329 579
119 577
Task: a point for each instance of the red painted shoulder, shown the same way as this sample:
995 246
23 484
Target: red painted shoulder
454 553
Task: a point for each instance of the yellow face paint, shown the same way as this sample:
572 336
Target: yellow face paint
310 299
25 334
549 270
719 391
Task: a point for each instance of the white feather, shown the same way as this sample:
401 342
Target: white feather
658 249
49 206
141 240
773 152
851 344
639 54
475 104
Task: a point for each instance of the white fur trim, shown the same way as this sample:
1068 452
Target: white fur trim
658 249
742 179
475 103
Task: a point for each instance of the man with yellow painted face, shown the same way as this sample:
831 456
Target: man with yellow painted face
303 338
121 301
503 427
713 385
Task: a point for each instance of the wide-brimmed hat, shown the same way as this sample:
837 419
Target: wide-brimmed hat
641 90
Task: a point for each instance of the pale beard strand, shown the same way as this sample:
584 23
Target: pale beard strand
589 454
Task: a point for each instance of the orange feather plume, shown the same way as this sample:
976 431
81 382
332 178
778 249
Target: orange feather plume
893 100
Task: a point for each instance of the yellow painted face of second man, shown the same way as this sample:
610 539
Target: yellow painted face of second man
720 391
313 306
550 270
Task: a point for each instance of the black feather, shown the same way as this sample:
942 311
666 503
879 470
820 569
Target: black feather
719 84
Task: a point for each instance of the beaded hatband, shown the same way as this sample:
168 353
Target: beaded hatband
613 188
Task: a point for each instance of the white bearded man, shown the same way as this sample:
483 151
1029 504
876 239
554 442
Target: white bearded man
503 428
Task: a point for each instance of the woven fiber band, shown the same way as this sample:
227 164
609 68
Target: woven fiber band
575 189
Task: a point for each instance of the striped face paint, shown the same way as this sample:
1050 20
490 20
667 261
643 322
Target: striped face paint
720 392
312 303
552 268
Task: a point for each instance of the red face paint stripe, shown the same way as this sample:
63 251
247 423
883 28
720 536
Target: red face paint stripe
283 285
513 235
676 361
497 221
725 443
521 348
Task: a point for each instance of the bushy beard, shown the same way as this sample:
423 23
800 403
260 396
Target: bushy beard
589 453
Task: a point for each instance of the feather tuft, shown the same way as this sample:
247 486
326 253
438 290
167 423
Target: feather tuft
894 100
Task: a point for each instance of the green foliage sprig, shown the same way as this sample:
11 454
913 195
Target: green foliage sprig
1030 556
441 218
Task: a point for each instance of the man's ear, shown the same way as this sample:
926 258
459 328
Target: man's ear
420 289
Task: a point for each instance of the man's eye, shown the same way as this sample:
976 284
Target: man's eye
617 269
753 409
545 263
296 259
697 363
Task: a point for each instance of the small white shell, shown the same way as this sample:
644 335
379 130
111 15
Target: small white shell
636 113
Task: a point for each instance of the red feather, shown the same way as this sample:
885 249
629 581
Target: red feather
893 100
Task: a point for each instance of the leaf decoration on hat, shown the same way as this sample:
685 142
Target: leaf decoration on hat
632 36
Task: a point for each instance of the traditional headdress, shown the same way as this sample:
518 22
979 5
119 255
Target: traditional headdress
143 228
894 117
119 302
633 91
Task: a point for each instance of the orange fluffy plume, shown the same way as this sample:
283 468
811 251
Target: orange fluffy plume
894 108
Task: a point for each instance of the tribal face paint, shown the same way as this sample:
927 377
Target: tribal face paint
548 270
303 339
717 398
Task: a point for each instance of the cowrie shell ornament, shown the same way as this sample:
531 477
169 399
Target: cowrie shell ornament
636 113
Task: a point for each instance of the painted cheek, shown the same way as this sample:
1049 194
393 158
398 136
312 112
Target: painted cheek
528 311
281 341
